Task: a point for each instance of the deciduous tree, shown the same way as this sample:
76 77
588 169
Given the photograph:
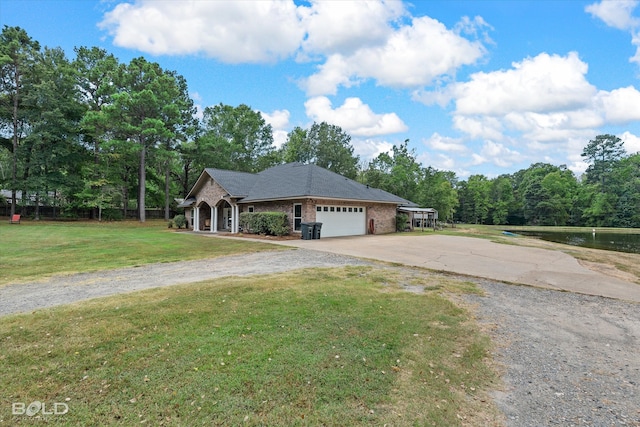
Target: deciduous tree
236 138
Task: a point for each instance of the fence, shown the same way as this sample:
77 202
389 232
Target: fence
51 212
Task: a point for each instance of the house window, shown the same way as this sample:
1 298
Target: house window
250 209
350 209
297 216
332 209
325 208
318 208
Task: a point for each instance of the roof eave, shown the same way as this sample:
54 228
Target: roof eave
308 196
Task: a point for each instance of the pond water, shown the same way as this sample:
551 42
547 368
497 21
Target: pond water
619 242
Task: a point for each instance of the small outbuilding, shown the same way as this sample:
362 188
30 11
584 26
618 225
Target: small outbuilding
419 217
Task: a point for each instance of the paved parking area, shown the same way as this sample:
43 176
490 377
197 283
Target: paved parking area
481 258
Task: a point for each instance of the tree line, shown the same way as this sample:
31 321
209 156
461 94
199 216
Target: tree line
607 195
92 133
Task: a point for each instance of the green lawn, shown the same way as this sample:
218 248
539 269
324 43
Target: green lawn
331 347
33 249
335 347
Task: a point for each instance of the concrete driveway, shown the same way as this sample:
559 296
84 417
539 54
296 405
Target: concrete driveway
480 258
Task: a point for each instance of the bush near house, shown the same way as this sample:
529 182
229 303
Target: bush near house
270 223
180 221
401 221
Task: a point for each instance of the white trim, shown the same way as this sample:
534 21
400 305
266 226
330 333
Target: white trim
215 219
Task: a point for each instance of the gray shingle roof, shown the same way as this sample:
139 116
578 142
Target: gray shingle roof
238 184
293 180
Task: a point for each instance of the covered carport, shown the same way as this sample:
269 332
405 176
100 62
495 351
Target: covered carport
420 217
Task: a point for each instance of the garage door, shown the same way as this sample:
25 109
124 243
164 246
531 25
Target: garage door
342 220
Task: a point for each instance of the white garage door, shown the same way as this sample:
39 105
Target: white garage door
342 220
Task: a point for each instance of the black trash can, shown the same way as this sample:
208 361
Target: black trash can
307 230
317 226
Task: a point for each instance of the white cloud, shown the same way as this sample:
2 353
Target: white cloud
195 96
478 159
444 143
335 72
620 105
233 32
631 142
619 14
541 106
369 149
616 14
499 154
441 161
484 127
352 40
415 55
354 117
412 56
543 83
346 26
279 121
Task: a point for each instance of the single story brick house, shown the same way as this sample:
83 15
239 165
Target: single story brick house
305 192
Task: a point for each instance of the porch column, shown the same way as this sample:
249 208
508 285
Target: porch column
236 219
214 227
211 222
196 221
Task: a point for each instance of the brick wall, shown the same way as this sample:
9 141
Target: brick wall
286 206
384 217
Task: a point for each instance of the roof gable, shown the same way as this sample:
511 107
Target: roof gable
237 184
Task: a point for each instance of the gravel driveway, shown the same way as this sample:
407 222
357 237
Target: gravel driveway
567 359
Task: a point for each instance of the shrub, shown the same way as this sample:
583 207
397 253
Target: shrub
112 214
271 223
180 221
401 221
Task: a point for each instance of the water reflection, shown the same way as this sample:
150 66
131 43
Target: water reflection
609 241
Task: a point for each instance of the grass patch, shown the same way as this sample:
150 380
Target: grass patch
34 250
341 347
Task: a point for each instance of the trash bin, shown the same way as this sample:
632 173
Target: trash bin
307 230
317 226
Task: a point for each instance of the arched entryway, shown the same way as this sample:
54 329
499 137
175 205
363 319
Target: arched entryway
205 221
224 218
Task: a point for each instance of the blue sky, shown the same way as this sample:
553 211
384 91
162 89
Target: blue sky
478 87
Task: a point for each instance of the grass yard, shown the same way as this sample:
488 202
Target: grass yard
35 249
331 347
